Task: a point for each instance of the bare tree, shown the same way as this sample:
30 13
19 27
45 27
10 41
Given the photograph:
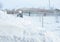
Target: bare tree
1 6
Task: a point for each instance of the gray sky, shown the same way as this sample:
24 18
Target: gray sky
10 4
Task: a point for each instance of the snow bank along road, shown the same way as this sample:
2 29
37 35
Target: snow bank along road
29 29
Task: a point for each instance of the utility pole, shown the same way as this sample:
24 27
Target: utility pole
49 4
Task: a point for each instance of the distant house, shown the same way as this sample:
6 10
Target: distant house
33 11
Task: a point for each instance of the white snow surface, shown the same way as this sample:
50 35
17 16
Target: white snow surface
30 28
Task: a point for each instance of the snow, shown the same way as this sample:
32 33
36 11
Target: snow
29 28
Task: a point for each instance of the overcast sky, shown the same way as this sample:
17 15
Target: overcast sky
11 4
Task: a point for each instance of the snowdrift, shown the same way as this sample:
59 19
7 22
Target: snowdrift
28 29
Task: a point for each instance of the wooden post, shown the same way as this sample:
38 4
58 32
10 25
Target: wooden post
56 16
29 13
42 21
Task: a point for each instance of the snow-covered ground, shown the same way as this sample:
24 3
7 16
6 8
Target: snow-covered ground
29 28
